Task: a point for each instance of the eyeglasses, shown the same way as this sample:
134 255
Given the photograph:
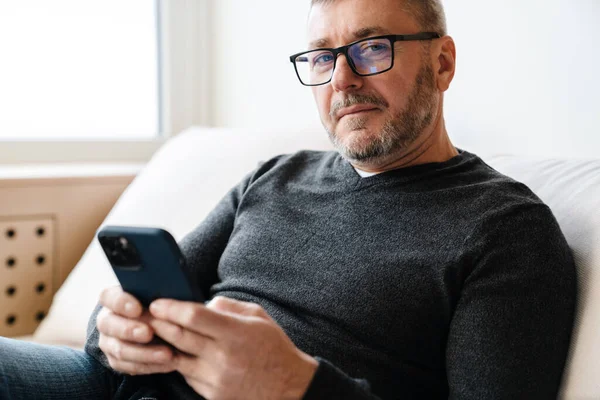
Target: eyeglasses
366 57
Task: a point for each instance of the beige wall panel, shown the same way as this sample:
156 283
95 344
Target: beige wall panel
27 271
72 209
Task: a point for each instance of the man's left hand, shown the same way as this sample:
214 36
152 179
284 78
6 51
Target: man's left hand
231 349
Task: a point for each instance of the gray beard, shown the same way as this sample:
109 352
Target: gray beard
397 133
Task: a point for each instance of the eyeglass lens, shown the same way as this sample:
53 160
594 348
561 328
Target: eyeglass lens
369 57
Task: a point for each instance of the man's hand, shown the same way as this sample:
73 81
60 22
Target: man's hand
232 350
124 333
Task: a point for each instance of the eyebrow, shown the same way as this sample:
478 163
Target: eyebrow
357 35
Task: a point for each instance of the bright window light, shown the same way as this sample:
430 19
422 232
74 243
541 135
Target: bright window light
78 69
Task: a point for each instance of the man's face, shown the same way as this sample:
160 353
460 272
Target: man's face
401 103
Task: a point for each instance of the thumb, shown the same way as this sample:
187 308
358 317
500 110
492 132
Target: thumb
237 307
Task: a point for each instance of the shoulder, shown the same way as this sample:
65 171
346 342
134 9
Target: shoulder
496 192
511 216
504 210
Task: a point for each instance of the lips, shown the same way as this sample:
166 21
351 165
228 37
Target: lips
354 109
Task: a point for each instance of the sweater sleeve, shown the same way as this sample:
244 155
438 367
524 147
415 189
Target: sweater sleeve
510 333
331 383
201 248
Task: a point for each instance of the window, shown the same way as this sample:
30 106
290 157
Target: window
75 69
100 81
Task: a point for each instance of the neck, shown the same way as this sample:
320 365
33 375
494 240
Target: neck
432 146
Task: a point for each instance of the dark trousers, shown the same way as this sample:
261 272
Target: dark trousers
31 371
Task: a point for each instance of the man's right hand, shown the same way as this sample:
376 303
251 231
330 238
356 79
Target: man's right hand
125 335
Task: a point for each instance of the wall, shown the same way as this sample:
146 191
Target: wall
533 86
254 82
526 80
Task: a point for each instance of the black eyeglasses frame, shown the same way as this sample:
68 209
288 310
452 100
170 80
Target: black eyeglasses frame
344 50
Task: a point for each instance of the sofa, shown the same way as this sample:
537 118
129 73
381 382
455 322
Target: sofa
187 177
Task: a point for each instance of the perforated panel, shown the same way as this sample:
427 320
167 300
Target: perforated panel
27 253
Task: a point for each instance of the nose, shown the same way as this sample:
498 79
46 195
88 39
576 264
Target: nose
344 79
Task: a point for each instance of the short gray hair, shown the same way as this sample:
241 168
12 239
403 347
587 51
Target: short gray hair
429 14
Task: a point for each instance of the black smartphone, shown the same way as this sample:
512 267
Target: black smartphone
148 263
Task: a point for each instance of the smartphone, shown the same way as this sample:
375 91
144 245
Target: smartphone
148 263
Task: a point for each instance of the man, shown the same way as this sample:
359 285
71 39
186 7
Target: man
400 267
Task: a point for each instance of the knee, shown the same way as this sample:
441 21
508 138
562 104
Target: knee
8 351
5 344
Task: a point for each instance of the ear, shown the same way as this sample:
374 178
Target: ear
445 62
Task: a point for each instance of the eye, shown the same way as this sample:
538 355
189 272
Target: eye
377 46
323 58
374 48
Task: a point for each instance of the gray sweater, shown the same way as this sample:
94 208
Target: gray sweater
444 280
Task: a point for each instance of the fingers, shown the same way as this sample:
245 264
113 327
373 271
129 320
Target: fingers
140 369
195 317
136 359
116 326
124 342
225 304
185 340
120 302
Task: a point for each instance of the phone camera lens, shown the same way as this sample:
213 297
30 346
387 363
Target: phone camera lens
120 251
